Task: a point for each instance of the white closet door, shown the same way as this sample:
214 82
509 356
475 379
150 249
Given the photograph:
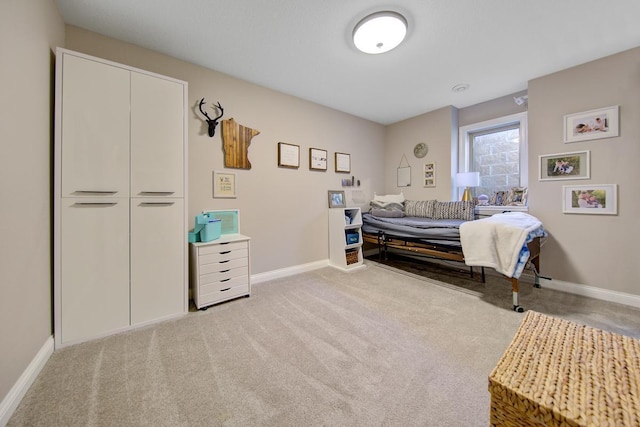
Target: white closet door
94 267
95 128
157 136
158 248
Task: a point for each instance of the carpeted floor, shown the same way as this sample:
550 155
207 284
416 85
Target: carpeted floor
373 347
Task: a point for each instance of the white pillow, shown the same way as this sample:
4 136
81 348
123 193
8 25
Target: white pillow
389 198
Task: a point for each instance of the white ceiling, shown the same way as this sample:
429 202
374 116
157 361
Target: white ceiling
303 47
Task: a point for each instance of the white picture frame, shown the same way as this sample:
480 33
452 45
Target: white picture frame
592 124
593 199
224 185
563 166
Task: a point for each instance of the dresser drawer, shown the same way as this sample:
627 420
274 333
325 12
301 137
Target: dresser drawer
221 247
215 287
223 295
223 256
219 276
215 267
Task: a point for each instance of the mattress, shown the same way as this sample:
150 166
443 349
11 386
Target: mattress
441 231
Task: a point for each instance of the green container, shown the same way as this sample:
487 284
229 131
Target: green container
211 230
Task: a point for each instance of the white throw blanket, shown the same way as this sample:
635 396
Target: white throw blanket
496 241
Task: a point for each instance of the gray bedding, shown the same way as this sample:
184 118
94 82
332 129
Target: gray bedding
439 231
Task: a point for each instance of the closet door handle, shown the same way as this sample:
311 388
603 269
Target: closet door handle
96 203
95 192
157 192
157 203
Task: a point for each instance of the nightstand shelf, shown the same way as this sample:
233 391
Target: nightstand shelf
345 238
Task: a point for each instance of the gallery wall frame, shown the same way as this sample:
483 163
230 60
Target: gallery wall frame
288 155
592 124
562 166
337 199
317 159
342 162
430 174
593 199
224 185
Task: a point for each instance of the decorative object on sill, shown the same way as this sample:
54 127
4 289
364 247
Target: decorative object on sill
483 200
337 199
317 159
224 185
593 124
343 162
235 143
288 155
599 199
404 173
212 123
429 174
517 196
467 180
379 32
499 198
420 150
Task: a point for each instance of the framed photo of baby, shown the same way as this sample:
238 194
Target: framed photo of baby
598 199
593 124
575 165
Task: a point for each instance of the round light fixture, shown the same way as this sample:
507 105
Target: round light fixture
460 88
380 32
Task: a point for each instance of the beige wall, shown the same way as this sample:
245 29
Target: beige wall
595 250
284 211
29 32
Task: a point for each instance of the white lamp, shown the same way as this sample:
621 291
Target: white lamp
467 180
380 32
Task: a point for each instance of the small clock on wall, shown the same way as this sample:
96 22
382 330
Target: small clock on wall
420 150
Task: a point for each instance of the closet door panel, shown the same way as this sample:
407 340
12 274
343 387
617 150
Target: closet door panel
94 267
95 128
158 247
157 136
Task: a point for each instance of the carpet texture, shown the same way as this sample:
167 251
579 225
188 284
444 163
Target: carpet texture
373 347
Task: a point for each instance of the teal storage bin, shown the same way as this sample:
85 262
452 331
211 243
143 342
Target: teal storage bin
211 230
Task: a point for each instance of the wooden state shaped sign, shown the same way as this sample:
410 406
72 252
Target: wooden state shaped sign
235 143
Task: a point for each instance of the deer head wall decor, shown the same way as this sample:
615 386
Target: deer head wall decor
211 122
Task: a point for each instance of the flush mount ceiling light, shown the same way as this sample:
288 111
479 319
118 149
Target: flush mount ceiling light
380 32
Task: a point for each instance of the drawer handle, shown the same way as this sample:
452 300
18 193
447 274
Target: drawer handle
225 280
157 192
96 192
222 290
224 253
156 203
224 271
222 262
95 203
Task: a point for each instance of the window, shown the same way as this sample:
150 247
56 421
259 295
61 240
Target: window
497 149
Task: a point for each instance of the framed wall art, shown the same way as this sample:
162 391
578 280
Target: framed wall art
288 155
593 124
317 159
575 165
224 185
343 162
598 199
337 199
429 174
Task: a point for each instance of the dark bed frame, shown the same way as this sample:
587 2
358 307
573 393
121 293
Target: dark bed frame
385 241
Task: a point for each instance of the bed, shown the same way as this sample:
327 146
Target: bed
506 242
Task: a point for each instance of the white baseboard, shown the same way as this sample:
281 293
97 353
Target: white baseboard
19 389
289 271
592 292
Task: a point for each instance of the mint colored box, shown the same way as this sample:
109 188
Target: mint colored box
211 230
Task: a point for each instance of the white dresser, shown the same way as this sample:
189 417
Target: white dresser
220 270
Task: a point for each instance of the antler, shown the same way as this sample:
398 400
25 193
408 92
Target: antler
221 110
202 111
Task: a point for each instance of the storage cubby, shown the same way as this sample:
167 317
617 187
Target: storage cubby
345 238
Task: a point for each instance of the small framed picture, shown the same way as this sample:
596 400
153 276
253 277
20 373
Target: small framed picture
573 165
429 175
317 159
288 155
590 199
593 124
517 196
224 185
343 162
499 198
336 199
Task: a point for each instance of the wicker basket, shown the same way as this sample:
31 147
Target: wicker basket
352 256
558 373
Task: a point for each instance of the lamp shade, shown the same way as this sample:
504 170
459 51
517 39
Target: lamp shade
380 32
468 179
